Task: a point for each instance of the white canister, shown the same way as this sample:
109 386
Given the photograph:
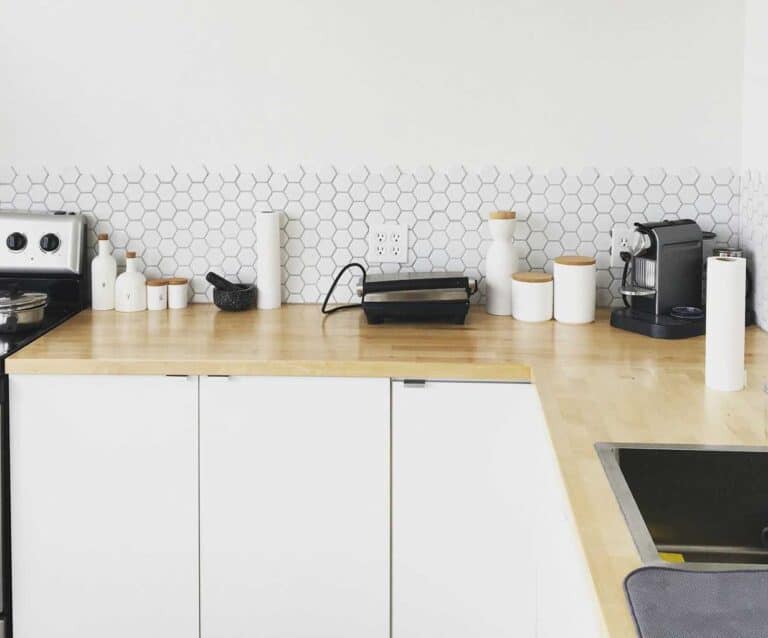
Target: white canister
532 294
575 289
131 287
501 263
178 293
157 294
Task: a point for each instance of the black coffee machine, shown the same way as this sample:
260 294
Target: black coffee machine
662 281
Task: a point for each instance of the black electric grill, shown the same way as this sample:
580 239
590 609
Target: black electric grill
416 297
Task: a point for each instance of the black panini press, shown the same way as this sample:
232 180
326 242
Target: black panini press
411 297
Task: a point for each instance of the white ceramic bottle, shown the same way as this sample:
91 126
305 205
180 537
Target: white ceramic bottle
501 263
103 275
131 287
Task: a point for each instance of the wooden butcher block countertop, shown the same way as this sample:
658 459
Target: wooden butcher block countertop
596 384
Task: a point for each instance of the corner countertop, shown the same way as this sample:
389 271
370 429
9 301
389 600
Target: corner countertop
595 383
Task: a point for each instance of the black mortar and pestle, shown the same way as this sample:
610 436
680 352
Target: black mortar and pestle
229 296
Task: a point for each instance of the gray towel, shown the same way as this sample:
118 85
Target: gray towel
673 603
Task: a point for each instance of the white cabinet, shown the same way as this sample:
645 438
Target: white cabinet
104 506
294 488
566 602
285 507
463 503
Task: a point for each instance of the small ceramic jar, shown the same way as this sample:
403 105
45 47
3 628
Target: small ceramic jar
532 296
575 289
178 295
157 294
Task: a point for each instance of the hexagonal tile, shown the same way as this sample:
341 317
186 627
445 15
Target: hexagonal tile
589 176
656 176
538 184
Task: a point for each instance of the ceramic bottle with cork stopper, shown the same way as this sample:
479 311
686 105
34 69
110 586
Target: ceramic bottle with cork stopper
501 262
131 287
103 275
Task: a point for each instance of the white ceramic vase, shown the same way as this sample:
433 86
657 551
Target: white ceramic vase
103 276
131 287
501 263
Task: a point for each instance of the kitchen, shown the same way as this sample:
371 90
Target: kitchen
171 468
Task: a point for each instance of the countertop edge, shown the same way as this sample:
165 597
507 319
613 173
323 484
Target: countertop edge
508 372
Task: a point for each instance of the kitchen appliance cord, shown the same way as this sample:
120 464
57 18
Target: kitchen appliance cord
325 309
625 256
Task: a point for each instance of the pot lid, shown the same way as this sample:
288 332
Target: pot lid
11 300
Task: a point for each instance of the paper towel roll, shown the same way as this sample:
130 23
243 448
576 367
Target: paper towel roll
268 276
726 289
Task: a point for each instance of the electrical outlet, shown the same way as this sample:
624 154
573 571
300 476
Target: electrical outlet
388 244
620 238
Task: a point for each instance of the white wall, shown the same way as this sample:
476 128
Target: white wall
544 82
755 131
754 183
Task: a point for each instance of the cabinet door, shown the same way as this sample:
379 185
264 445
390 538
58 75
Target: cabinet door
462 504
294 487
566 599
104 506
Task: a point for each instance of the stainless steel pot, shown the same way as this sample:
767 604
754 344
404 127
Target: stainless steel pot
20 311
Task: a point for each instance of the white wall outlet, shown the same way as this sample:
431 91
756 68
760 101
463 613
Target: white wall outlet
620 238
388 244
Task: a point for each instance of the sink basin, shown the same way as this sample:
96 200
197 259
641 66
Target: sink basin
704 505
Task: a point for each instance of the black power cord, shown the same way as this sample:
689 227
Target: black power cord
324 308
625 256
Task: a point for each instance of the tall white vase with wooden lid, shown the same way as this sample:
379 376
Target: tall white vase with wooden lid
501 263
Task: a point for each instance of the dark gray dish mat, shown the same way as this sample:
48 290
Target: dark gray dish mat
674 603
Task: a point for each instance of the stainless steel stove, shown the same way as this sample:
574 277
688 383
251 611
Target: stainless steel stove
45 254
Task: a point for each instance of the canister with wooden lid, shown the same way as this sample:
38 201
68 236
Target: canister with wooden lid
532 296
178 292
157 294
575 288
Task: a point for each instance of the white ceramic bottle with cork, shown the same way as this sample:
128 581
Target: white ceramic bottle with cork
103 276
131 287
501 263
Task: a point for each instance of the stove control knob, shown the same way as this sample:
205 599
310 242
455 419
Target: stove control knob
16 242
49 243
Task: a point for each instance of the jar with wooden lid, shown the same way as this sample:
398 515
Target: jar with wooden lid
501 262
157 294
575 278
532 295
178 292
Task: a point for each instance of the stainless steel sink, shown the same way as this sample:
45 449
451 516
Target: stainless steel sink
706 503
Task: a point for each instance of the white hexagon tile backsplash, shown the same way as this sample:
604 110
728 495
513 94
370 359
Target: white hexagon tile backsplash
188 222
754 236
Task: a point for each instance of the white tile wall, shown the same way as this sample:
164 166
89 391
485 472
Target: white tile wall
754 237
186 223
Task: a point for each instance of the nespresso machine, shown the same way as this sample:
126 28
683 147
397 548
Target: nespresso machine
662 281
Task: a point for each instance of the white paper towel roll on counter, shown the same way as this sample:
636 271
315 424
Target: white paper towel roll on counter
268 275
726 290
